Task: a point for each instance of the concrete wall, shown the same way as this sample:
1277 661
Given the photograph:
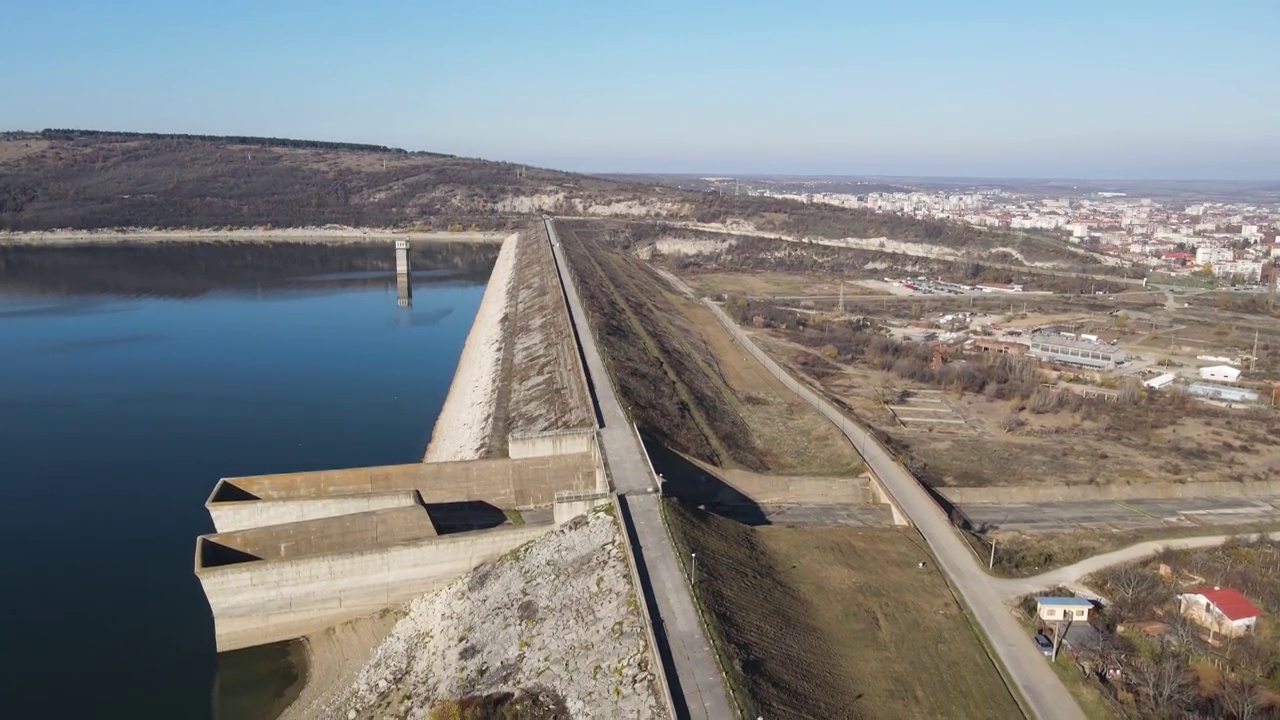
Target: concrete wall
557 442
519 483
261 602
230 516
570 505
359 531
782 490
1067 493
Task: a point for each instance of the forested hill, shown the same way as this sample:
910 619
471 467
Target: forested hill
90 179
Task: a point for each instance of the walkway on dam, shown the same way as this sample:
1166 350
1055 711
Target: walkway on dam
696 679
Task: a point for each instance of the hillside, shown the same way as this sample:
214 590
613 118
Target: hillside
85 179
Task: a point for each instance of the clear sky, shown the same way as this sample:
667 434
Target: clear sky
1115 89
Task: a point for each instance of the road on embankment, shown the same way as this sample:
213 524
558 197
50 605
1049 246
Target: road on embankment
1024 667
697 684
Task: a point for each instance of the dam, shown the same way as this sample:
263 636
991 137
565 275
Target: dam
514 454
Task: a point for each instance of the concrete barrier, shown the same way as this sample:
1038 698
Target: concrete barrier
1130 491
573 503
555 442
509 484
261 601
809 396
230 516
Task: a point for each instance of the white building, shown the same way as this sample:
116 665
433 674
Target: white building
1221 373
1221 610
1054 609
1243 270
1214 255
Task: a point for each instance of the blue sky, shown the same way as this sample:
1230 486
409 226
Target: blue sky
1117 89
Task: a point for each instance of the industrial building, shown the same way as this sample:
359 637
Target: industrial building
1220 373
1059 349
1223 393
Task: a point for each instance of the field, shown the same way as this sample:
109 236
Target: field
837 622
1013 442
686 384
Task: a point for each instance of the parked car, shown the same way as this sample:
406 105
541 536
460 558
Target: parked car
1044 644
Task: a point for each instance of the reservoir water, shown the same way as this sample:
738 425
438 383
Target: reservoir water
131 379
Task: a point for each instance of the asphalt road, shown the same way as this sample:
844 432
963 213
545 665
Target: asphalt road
1024 666
1071 575
697 673
1134 514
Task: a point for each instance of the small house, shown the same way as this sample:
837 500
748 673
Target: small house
1220 609
1057 609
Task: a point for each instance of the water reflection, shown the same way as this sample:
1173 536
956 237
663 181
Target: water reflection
187 270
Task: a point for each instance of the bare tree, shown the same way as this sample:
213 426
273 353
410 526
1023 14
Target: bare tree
1163 688
1239 700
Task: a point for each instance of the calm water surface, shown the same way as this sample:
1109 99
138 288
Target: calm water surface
130 381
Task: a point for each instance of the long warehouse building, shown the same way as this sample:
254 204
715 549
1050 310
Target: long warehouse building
1055 348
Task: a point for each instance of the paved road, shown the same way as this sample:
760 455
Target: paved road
697 674
1133 514
1025 666
1071 574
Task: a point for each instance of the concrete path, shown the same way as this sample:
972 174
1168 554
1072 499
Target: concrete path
697 679
1072 574
1024 666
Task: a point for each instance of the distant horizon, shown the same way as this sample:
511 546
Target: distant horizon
685 173
1144 89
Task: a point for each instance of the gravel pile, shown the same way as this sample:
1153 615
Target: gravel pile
558 617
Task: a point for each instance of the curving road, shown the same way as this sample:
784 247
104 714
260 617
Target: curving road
1046 697
1071 575
688 658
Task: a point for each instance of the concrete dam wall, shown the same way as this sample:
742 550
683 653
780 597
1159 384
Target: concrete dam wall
297 552
285 581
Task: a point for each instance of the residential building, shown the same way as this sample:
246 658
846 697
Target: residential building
1222 610
1055 609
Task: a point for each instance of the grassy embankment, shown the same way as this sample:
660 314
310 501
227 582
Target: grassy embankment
685 382
836 622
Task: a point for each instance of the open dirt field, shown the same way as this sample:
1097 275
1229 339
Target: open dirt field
1099 443
774 284
837 623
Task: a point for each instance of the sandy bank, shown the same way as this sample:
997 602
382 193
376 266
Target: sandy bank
329 234
334 659
462 432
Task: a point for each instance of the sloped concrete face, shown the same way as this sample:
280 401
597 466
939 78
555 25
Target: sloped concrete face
284 593
244 514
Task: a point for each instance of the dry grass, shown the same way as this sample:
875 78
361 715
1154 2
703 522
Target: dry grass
791 437
837 622
1025 554
1103 443
765 283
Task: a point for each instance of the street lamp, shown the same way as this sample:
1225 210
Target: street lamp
694 555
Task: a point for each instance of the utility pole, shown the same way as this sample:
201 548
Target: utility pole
1253 359
992 562
694 574
842 300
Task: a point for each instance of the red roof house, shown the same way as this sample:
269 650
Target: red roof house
1221 609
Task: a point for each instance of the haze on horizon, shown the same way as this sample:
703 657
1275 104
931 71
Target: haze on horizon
1158 90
